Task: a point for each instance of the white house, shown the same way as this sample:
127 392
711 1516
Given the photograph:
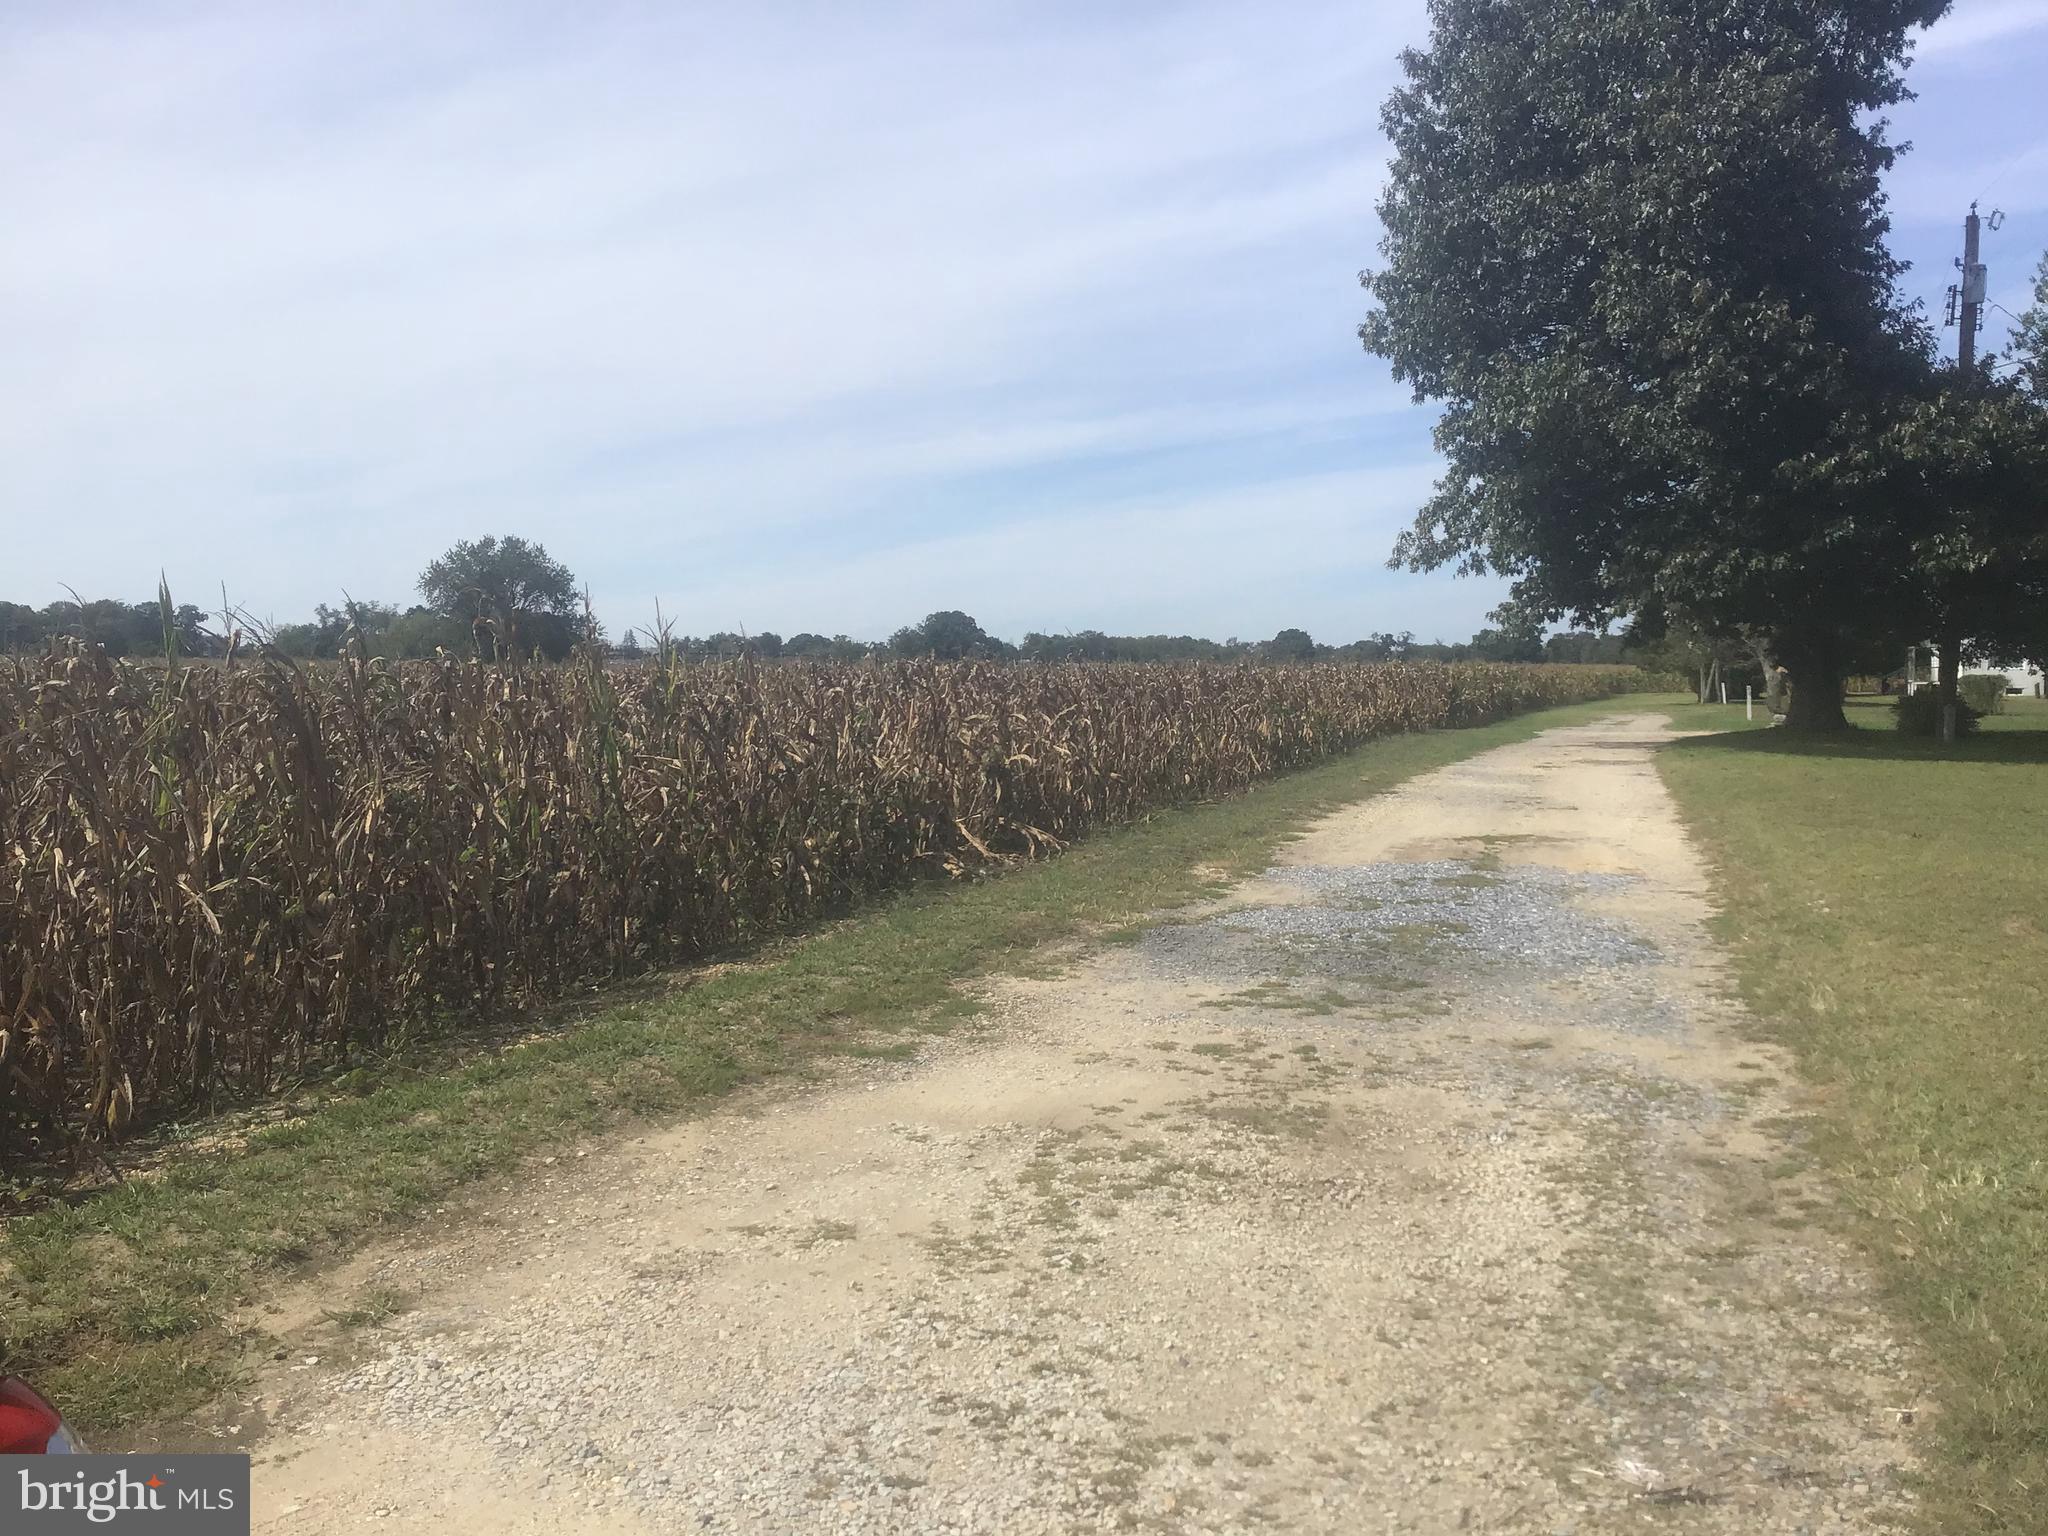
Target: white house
1923 663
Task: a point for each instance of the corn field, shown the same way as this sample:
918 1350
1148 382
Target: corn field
214 881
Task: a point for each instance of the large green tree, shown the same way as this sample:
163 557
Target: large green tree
515 596
1637 249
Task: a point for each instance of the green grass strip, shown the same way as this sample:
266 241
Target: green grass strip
1886 900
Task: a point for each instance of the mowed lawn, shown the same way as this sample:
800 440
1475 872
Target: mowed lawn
1886 900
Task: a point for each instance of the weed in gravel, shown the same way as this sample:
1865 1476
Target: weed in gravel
1280 997
1285 1117
376 1306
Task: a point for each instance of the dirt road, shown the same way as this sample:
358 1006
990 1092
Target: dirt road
1424 1184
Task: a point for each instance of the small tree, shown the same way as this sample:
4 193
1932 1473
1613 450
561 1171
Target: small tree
1505 645
948 635
1291 645
515 597
817 647
1584 647
1389 646
1972 461
1658 641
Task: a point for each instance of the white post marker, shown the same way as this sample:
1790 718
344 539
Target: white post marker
1724 693
1748 702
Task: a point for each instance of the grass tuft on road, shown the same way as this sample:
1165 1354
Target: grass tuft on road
118 1305
1887 903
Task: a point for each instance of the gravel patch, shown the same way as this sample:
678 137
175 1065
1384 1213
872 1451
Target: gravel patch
1438 921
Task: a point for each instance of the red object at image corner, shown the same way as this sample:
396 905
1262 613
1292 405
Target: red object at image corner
29 1426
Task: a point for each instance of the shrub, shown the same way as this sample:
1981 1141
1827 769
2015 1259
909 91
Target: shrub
1983 691
1919 713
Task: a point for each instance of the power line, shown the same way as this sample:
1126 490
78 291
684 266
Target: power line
1998 175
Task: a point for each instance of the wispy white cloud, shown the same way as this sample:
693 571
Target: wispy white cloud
1976 24
1263 553
294 295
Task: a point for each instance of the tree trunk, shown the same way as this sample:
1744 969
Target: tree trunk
1949 671
1774 685
1817 678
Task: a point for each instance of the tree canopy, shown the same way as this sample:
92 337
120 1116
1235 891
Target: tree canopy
515 597
1637 249
2030 338
1972 466
1291 645
950 635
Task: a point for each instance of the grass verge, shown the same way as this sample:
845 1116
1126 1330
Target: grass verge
1865 712
1887 903
118 1305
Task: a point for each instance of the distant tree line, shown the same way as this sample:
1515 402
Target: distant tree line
508 599
121 629
951 635
453 624
501 599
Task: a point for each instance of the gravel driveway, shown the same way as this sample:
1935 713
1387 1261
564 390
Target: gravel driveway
1426 1183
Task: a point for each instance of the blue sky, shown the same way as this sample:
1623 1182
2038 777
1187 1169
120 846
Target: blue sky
795 316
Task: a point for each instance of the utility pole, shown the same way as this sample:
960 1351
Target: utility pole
1972 295
1965 308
